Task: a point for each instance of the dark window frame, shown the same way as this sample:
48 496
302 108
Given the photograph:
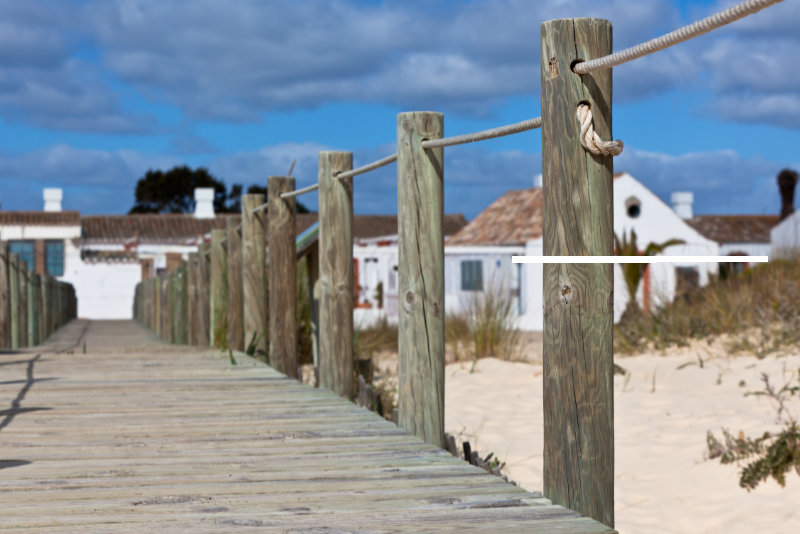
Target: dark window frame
471 275
23 256
47 258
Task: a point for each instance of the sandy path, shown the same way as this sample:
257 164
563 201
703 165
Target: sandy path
663 483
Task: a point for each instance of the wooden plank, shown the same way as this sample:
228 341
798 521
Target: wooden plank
282 277
420 209
199 445
235 288
336 274
254 276
578 298
218 291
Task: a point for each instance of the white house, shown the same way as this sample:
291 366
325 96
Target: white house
513 225
785 238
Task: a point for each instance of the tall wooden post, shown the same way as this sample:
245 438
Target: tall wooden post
282 277
24 276
218 301
33 309
5 299
578 298
254 276
235 288
192 312
420 212
183 304
336 274
13 300
312 272
203 283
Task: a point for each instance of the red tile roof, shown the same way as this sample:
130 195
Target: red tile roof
512 219
40 218
735 228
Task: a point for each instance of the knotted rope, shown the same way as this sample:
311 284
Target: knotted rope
589 138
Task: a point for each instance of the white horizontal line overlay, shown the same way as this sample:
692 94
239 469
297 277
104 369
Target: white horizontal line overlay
639 259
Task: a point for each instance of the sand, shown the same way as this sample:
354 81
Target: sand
663 481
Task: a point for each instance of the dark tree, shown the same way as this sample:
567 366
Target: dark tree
173 191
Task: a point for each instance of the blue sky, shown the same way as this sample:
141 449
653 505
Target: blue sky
94 93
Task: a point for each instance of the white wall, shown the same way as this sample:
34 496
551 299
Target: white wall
498 272
104 290
785 237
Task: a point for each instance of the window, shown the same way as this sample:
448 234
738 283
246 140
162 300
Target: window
54 257
25 251
472 275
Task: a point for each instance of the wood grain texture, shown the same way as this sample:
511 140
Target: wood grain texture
218 290
282 277
5 298
24 275
13 299
420 209
235 287
312 271
33 309
254 276
578 299
336 274
164 333
203 295
144 437
192 311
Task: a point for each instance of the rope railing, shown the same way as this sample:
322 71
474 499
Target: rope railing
368 167
301 191
262 207
680 35
508 129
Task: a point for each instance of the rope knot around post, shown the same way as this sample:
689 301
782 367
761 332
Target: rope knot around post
589 138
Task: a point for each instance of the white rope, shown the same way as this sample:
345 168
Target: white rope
678 36
508 129
298 192
366 168
262 207
589 138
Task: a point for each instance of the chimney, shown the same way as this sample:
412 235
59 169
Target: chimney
537 180
52 199
204 203
682 203
787 180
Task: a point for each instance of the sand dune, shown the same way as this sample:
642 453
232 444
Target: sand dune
663 481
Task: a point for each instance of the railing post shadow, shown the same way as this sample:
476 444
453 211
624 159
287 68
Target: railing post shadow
282 276
336 274
578 298
420 213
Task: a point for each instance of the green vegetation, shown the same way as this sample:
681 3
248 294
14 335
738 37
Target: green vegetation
633 272
773 454
486 328
756 310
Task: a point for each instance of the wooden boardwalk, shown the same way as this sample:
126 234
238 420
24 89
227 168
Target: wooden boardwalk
138 436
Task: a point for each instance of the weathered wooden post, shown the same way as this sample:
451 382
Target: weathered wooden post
312 273
336 274
174 307
578 298
218 301
33 310
420 212
43 281
183 303
13 299
156 304
282 276
5 299
24 276
203 284
254 277
235 289
192 312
